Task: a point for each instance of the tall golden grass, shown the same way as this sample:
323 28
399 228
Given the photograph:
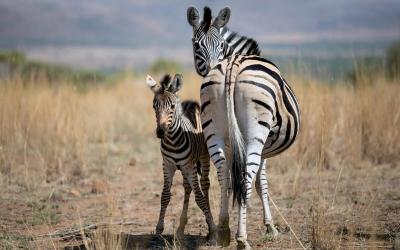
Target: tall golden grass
58 133
50 133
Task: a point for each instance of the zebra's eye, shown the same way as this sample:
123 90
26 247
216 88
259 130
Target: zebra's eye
221 46
172 106
196 45
154 106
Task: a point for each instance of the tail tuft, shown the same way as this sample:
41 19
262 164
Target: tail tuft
237 159
238 170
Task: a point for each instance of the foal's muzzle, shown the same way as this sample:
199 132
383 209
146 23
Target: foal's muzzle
160 131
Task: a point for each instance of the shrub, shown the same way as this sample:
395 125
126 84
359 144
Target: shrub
162 66
393 60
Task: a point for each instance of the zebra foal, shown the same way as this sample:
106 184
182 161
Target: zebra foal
249 113
182 147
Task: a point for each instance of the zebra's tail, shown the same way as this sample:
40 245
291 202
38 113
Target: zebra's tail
237 158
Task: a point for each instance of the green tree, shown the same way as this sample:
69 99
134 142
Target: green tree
13 59
163 65
393 60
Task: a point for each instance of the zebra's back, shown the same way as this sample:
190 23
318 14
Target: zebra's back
260 94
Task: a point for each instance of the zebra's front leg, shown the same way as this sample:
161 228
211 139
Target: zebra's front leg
169 172
202 203
262 191
183 219
252 167
205 180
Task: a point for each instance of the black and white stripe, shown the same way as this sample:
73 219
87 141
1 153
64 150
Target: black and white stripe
213 42
248 110
182 147
238 44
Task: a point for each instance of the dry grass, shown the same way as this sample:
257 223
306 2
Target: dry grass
347 124
51 133
55 135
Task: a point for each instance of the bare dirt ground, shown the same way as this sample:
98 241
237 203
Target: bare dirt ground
336 207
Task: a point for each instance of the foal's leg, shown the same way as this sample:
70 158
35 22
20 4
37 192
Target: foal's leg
262 191
204 180
183 219
169 172
205 186
200 200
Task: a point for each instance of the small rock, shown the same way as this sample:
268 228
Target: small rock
56 196
100 186
342 230
75 193
396 245
132 162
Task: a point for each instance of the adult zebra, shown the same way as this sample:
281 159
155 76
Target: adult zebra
182 147
249 113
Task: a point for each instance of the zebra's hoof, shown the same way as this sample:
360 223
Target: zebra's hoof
224 236
159 229
271 232
179 234
242 244
212 238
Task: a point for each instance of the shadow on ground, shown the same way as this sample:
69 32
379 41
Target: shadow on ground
151 241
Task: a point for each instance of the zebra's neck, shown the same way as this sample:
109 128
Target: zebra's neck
238 44
180 123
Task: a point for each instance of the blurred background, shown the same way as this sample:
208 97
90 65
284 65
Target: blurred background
133 35
80 166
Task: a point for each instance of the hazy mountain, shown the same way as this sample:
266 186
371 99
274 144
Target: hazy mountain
129 32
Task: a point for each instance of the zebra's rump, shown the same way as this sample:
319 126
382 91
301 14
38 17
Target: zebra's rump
257 83
191 110
259 73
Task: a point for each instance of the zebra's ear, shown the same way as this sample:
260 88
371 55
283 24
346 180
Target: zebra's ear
223 17
193 16
153 85
176 83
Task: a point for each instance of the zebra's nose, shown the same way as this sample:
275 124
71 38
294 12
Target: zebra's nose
160 131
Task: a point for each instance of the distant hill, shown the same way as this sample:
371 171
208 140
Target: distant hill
106 34
148 23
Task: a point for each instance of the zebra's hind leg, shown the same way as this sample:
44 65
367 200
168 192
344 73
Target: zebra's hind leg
262 191
205 186
183 219
202 202
169 172
224 232
216 149
252 167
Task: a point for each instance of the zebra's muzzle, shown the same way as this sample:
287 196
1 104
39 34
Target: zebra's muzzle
160 131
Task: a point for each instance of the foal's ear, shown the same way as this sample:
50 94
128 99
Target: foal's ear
193 16
176 83
153 85
223 17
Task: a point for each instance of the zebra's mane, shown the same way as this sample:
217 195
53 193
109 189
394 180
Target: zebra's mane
191 109
207 19
165 81
227 33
